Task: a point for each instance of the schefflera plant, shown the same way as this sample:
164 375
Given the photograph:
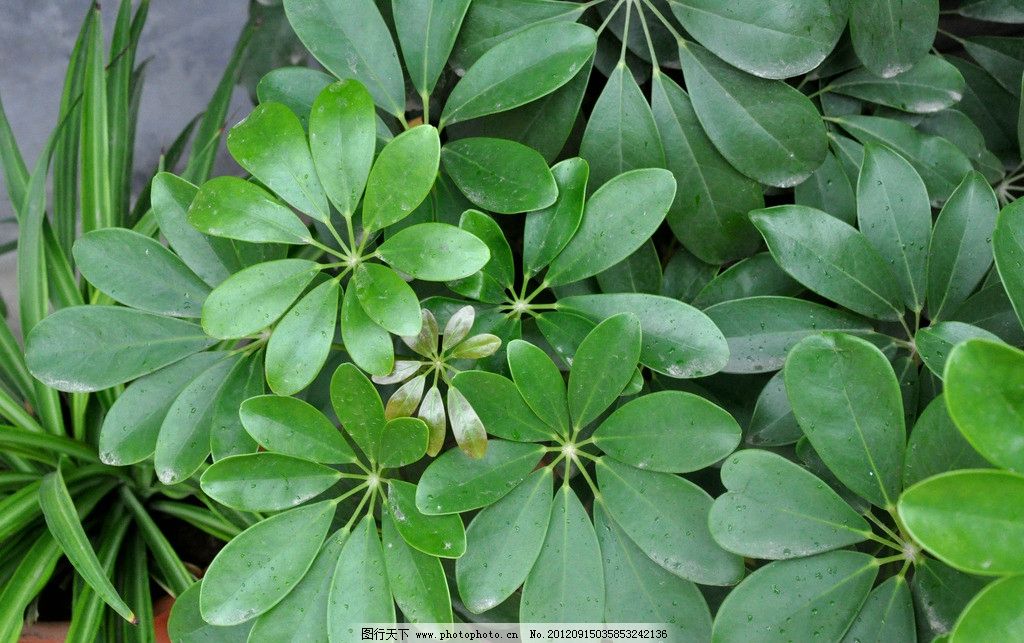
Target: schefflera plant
844 564
636 556
297 575
440 362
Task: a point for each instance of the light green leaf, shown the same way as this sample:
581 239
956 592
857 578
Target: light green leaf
1008 248
368 344
935 342
891 36
434 252
499 175
360 592
442 536
293 427
887 614
502 408
186 624
603 365
342 139
455 482
415 579
250 300
427 31
931 85
994 614
228 206
359 409
403 442
387 299
401 177
488 22
266 481
301 341
540 384
295 87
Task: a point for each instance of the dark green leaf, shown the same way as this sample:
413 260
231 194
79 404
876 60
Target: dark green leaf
360 592
1008 247
290 426
547 231
891 36
501 407
540 384
427 31
603 365
359 409
403 442
935 342
266 481
186 624
415 579
499 175
442 536
434 252
936 446
932 84
454 482
754 276
366 343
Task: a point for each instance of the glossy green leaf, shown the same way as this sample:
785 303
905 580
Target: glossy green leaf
887 614
401 177
351 40
935 342
794 599
256 297
209 257
499 175
639 272
90 348
266 481
994 614
139 272
540 384
227 435
434 252
894 215
488 23
830 258
186 624
502 408
1007 11
295 87
231 207
360 592
685 276
668 431
641 197
984 397
454 482
771 41
621 134
761 330
847 400
427 31
487 574
1008 248
891 36
603 365
301 341
776 509
932 84
772 422
566 583
970 519
757 275
829 189
342 139
667 517
416 580
387 299
940 595
403 442
960 252
526 66
359 409
293 427
442 536
548 230
937 446
271 145
677 339
766 129
262 564
368 344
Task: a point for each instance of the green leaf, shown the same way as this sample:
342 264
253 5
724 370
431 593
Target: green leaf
65 527
709 213
931 85
302 614
566 584
227 435
359 409
1008 248
894 214
945 592
488 22
360 592
230 207
830 190
367 344
547 231
669 431
434 252
994 614
295 87
667 517
351 40
266 481
139 272
500 268
499 175
639 591
767 41
262 564
502 408
90 348
757 275
250 300
401 177
530 64
764 128
342 140
540 384
503 542
847 400
887 614
639 272
621 134
130 428
1007 11
603 365
271 145
803 599
685 275
301 341
891 36
984 381
772 422
937 446
416 580
184 440
97 209
677 340
427 31
776 509
403 442
442 536
387 299
186 624
603 239
455 482
960 252
293 427
761 330
830 258
935 342
971 519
